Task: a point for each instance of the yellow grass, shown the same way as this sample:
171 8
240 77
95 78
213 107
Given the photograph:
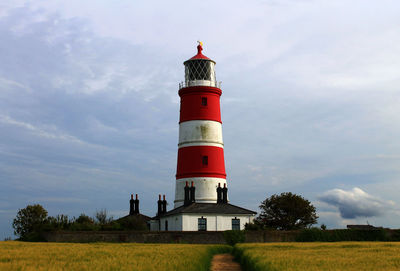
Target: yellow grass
104 256
347 256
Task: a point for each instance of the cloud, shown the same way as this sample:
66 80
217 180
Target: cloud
356 203
38 131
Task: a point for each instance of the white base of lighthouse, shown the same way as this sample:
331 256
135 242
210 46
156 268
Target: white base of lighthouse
206 188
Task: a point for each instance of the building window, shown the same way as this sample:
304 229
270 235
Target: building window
235 224
166 225
202 224
204 101
205 160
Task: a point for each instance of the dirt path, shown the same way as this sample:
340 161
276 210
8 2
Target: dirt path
224 262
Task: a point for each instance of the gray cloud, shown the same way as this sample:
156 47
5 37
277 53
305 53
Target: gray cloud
355 203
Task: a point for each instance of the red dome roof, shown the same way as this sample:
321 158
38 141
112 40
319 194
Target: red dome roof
200 55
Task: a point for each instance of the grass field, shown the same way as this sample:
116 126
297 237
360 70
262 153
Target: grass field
183 257
106 256
347 256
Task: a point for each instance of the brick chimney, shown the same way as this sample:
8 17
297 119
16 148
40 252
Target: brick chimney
131 206
225 194
219 193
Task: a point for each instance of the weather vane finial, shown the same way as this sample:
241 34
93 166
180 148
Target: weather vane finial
199 47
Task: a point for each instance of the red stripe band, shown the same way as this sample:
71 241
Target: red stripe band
200 161
200 103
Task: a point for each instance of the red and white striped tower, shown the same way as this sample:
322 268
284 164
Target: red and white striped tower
200 148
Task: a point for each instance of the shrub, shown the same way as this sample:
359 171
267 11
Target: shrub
132 222
395 235
253 226
82 219
84 223
234 236
60 222
246 262
111 226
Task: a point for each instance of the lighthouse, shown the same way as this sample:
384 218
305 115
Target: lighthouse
200 147
201 191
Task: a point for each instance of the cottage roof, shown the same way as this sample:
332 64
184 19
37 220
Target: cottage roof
139 216
210 208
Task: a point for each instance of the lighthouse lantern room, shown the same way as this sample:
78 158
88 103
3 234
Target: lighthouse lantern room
199 70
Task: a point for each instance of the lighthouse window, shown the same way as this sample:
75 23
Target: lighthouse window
205 160
235 224
204 101
202 224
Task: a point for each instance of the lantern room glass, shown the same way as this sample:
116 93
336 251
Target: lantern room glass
200 72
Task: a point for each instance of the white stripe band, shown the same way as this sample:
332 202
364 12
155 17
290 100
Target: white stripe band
206 189
200 132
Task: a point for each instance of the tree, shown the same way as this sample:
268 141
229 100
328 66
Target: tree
29 222
287 211
102 217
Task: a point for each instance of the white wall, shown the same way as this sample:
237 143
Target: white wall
154 225
215 222
174 223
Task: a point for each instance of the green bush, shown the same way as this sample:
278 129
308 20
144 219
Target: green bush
132 222
233 237
111 226
255 226
84 223
84 219
395 236
58 223
247 263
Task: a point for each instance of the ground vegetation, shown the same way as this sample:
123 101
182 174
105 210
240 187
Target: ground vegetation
349 256
107 256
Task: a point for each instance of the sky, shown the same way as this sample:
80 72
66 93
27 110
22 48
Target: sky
89 103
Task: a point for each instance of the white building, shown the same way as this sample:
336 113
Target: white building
206 217
199 216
